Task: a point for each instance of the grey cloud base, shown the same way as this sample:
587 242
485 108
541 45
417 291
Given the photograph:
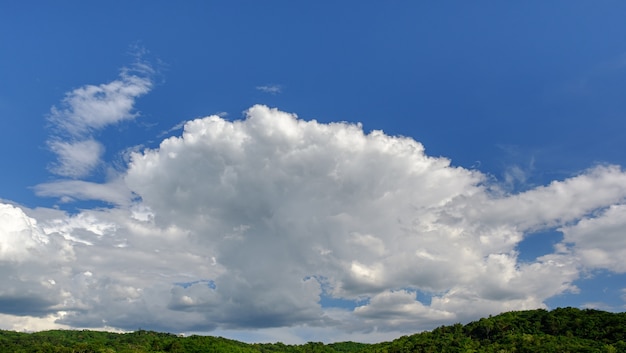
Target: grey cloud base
248 224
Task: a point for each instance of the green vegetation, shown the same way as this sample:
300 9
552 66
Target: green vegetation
561 330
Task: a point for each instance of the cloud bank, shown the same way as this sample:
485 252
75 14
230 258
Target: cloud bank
260 223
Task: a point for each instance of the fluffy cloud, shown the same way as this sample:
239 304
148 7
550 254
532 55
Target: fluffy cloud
600 241
362 213
27 258
254 224
21 237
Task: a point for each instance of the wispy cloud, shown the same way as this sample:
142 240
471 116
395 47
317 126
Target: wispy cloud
114 192
77 158
74 125
181 124
176 127
88 109
271 89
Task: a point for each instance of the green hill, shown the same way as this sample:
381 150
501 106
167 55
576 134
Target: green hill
561 330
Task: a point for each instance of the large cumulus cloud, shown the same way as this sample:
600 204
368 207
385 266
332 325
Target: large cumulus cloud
279 201
255 223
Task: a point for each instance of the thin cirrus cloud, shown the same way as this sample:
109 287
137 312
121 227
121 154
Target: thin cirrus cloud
271 89
252 225
113 192
76 158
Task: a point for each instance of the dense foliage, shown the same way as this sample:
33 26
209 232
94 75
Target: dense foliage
560 330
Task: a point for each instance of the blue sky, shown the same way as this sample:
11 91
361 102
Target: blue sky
486 133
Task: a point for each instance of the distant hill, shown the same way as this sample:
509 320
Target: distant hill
561 330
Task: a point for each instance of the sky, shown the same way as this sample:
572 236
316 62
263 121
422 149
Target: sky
309 171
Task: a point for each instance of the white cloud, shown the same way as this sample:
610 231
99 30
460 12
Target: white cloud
395 310
560 202
115 191
21 237
271 89
371 213
176 127
248 225
76 159
28 265
91 107
88 109
599 241
83 112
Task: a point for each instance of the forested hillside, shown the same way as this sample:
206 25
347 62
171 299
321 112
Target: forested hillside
560 330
